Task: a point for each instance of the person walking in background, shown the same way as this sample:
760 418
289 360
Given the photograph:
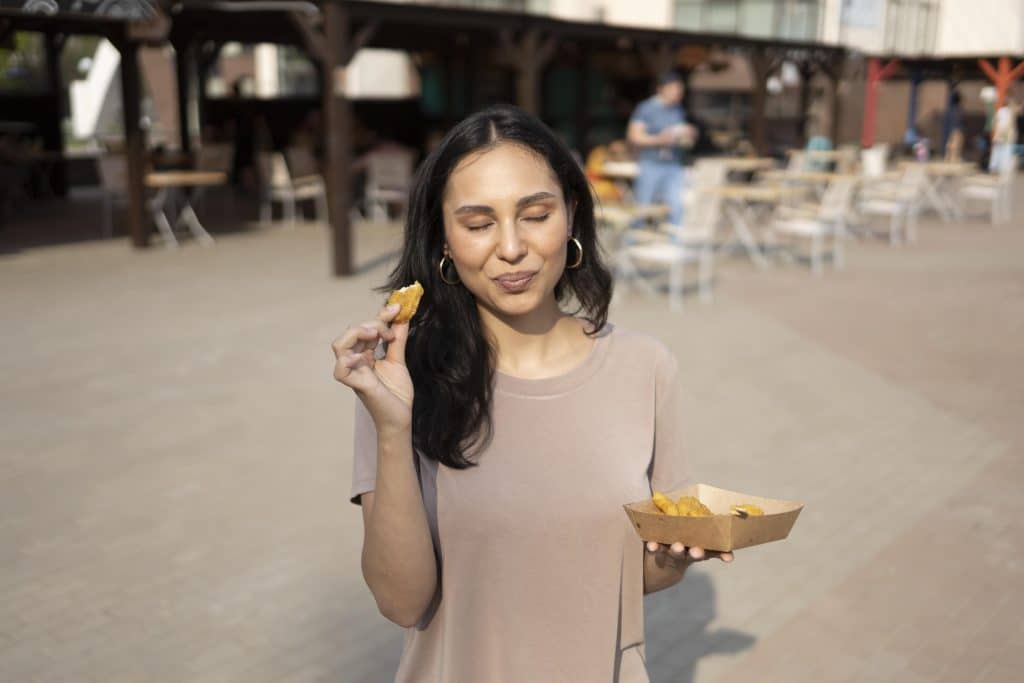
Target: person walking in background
659 131
1004 134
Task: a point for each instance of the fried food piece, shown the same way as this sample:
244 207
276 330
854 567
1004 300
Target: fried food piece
746 510
409 299
665 504
691 507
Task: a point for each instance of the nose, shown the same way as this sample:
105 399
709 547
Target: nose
511 247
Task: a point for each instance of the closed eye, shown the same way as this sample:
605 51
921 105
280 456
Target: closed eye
538 219
479 227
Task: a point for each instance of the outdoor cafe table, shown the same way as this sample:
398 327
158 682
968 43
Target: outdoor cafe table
180 187
745 163
939 190
740 204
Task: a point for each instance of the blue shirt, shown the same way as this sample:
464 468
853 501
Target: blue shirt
656 117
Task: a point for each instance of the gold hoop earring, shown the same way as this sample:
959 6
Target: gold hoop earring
440 268
579 258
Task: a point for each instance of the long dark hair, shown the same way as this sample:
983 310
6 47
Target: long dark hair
450 359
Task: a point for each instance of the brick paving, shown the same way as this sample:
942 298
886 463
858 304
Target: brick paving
174 459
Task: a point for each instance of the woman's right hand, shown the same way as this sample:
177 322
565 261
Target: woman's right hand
382 384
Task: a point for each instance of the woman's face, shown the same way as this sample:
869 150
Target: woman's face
506 228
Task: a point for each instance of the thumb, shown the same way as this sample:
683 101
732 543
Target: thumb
396 347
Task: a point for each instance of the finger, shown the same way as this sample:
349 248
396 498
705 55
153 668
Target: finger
652 546
396 345
388 313
725 557
678 549
697 553
381 327
350 340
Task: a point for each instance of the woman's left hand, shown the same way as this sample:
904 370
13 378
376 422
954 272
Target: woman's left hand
680 553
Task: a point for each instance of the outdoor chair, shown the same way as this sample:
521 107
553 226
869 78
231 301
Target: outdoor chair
388 181
901 202
215 156
995 190
828 223
278 186
669 253
874 160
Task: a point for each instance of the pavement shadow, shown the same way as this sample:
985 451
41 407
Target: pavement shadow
676 624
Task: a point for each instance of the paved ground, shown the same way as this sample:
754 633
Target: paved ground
174 459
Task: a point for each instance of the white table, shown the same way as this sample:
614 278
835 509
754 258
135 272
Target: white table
740 204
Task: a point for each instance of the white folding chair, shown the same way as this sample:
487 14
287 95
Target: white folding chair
278 186
388 181
829 222
996 191
668 255
900 202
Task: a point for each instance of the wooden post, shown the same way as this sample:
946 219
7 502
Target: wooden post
134 144
528 58
183 63
806 74
1002 77
583 102
761 66
876 74
53 134
338 129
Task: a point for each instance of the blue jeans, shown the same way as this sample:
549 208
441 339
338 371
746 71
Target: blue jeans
664 181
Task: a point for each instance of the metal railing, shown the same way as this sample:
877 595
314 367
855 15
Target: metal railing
782 19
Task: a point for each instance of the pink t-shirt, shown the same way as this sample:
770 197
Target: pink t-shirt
541 573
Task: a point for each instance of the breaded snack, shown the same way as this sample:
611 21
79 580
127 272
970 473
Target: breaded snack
409 299
691 507
665 504
746 510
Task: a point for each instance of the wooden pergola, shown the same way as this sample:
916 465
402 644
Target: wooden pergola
479 43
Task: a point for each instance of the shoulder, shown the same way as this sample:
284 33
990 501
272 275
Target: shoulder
644 109
647 348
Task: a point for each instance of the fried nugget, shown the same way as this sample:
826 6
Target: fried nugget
691 507
409 299
665 504
746 510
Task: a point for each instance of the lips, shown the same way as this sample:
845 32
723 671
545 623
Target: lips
517 281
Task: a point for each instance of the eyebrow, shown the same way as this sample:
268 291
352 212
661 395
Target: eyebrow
525 201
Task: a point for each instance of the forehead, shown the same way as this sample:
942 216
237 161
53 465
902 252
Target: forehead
507 171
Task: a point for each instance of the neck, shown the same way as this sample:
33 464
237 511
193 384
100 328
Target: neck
536 344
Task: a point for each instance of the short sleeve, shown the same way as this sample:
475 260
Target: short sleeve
642 114
364 454
669 468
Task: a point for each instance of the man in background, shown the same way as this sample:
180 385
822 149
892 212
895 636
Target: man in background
659 132
1004 135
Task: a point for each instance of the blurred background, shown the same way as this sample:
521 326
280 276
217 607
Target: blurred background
197 197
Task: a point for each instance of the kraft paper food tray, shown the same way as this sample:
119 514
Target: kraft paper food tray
723 531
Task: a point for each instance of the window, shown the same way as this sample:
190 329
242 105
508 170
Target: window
786 19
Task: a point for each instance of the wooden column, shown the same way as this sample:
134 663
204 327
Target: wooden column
583 101
761 67
134 144
528 58
876 74
183 63
833 70
53 134
1001 76
806 75
338 129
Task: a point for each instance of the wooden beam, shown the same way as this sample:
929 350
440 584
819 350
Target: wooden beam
183 78
528 57
312 37
134 144
338 128
762 65
360 40
53 134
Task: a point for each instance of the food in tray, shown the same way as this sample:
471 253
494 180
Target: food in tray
746 510
690 506
665 504
409 299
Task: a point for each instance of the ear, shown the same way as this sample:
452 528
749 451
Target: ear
571 214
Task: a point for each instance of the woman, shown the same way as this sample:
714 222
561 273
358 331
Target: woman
492 503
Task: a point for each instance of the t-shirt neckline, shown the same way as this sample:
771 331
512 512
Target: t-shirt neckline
559 384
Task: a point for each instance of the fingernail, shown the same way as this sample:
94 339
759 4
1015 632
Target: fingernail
391 308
